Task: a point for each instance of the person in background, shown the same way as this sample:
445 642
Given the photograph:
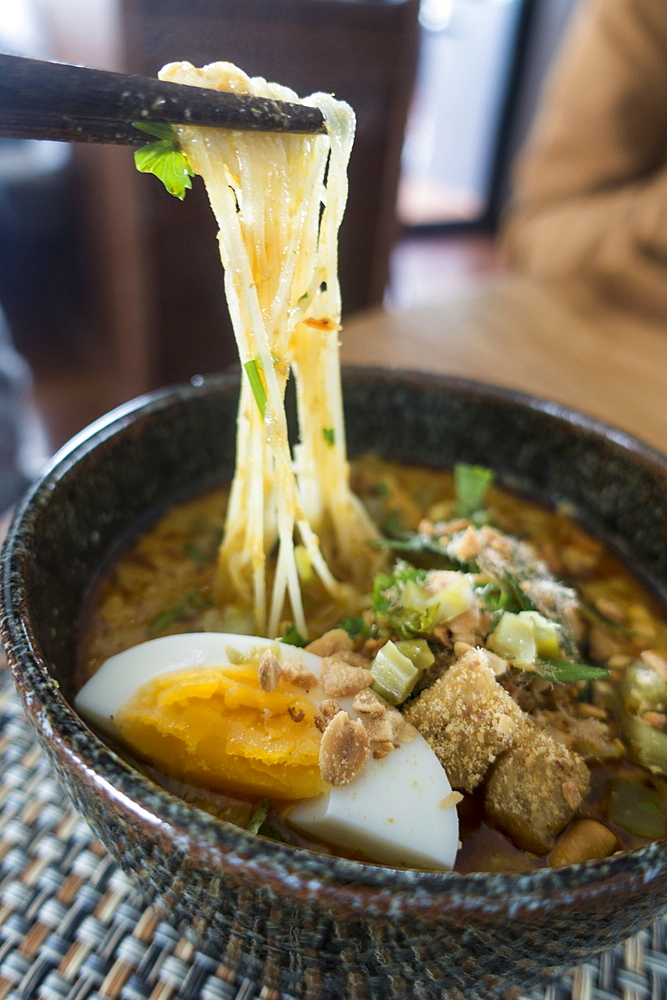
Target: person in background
590 198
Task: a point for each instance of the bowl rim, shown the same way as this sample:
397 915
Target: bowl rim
347 885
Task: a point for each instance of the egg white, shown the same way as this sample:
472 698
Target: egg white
395 812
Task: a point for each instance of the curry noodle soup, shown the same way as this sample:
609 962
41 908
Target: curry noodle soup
530 660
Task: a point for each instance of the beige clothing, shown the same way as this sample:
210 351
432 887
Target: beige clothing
591 184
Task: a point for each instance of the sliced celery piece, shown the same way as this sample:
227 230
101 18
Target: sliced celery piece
637 809
546 634
394 675
514 640
641 686
453 599
418 651
648 746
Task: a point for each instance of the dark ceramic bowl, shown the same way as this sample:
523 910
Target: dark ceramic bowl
316 926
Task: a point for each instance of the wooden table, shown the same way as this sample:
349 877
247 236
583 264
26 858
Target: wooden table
557 343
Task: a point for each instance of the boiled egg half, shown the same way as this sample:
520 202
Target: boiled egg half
192 706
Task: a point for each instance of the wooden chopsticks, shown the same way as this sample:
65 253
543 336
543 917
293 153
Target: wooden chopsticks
49 100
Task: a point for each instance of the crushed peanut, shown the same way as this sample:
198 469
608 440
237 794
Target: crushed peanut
340 680
367 702
384 727
297 714
331 642
270 671
382 749
328 709
344 750
297 674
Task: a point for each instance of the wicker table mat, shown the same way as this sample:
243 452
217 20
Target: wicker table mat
74 927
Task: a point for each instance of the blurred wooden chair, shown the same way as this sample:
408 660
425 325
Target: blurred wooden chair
363 51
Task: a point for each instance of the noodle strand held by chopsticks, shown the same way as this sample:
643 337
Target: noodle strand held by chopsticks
279 200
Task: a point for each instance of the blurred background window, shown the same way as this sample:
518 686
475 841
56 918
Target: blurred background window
481 64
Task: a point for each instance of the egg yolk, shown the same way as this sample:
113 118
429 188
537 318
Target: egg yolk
215 727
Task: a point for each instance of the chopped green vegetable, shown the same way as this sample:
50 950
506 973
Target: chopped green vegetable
259 814
418 651
394 675
293 637
514 639
193 601
546 634
355 627
566 672
638 809
302 297
647 746
329 436
196 553
253 371
160 130
471 483
164 159
406 621
496 598
413 541
642 687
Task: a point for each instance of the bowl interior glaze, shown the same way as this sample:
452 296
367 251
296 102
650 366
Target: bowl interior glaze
404 933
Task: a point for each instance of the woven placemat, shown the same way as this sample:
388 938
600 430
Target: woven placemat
74 927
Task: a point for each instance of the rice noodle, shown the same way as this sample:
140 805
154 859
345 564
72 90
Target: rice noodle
279 200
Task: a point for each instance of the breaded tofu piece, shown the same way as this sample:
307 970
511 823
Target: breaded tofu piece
535 789
468 719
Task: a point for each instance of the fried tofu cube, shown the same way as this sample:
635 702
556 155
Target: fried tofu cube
468 719
535 789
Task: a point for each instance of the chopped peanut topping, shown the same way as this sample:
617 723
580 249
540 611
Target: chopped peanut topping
382 750
467 547
296 714
384 727
331 642
367 702
344 750
407 732
340 680
297 674
270 671
328 709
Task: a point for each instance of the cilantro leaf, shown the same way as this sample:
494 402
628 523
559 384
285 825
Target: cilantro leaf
471 483
161 130
293 637
329 436
163 159
355 627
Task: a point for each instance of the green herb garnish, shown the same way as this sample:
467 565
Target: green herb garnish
196 553
329 436
566 672
293 637
471 483
164 159
253 370
355 627
193 601
258 817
